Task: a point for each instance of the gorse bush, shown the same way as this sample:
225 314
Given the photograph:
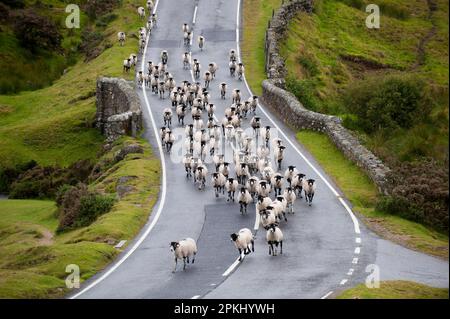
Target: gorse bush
419 192
78 207
387 103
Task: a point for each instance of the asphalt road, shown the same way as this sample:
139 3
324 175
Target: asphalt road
324 249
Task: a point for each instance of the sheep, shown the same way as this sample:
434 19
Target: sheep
183 249
255 123
186 60
185 28
218 159
262 203
170 83
251 185
276 142
279 208
121 37
139 79
279 155
196 69
201 42
200 176
274 236
244 198
290 196
231 186
146 80
187 164
150 68
229 132
233 55
309 187
277 183
198 123
230 111
207 77
187 38
223 90
167 117
154 83
267 217
181 112
162 133
195 163
242 173
245 108
218 181
232 65
253 103
150 5
133 58
164 57
161 89
150 26
263 188
248 144
265 133
210 109
212 68
252 162
141 12
268 173
240 71
127 65
200 148
168 140
154 19
224 168
242 241
290 173
174 97
297 184
236 96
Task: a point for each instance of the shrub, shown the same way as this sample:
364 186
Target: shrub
96 8
387 103
17 4
9 174
357 4
36 32
78 207
303 91
419 192
104 20
309 65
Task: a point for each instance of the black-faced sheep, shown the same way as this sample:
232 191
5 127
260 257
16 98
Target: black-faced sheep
183 249
274 237
242 240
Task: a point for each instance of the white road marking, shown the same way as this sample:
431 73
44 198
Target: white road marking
120 244
196 297
327 295
355 221
195 15
233 265
257 221
357 250
163 190
355 261
350 272
343 282
358 240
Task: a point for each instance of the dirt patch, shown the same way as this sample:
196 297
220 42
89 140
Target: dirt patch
47 237
5 109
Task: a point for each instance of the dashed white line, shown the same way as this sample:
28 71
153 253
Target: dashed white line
350 272
343 282
163 190
357 250
233 265
327 295
195 15
355 261
358 240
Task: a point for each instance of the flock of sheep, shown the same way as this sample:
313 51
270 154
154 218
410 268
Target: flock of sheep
252 174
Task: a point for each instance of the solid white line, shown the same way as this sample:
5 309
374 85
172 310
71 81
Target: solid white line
326 296
257 221
343 282
355 221
195 15
357 250
163 190
233 265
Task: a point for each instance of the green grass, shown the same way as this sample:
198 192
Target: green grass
315 45
395 290
257 14
50 125
362 193
33 258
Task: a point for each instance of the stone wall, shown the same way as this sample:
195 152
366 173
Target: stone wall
118 108
291 111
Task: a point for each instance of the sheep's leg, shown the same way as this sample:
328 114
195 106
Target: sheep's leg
187 259
184 263
281 247
253 245
175 268
240 254
193 258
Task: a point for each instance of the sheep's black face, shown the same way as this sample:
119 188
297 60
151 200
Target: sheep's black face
234 237
174 245
311 182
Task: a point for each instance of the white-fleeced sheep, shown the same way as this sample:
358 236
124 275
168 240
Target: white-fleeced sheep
207 77
187 38
121 37
186 60
212 68
265 134
251 185
279 208
223 90
278 155
167 116
218 159
218 182
274 237
309 187
141 12
267 217
200 176
150 5
289 174
277 183
232 66
242 240
183 249
253 103
187 164
297 184
127 65
289 194
244 198
233 55
242 173
201 42
231 186
262 203
169 138
181 112
224 168
240 70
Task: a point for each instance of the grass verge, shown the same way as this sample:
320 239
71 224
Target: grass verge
395 290
362 193
33 258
